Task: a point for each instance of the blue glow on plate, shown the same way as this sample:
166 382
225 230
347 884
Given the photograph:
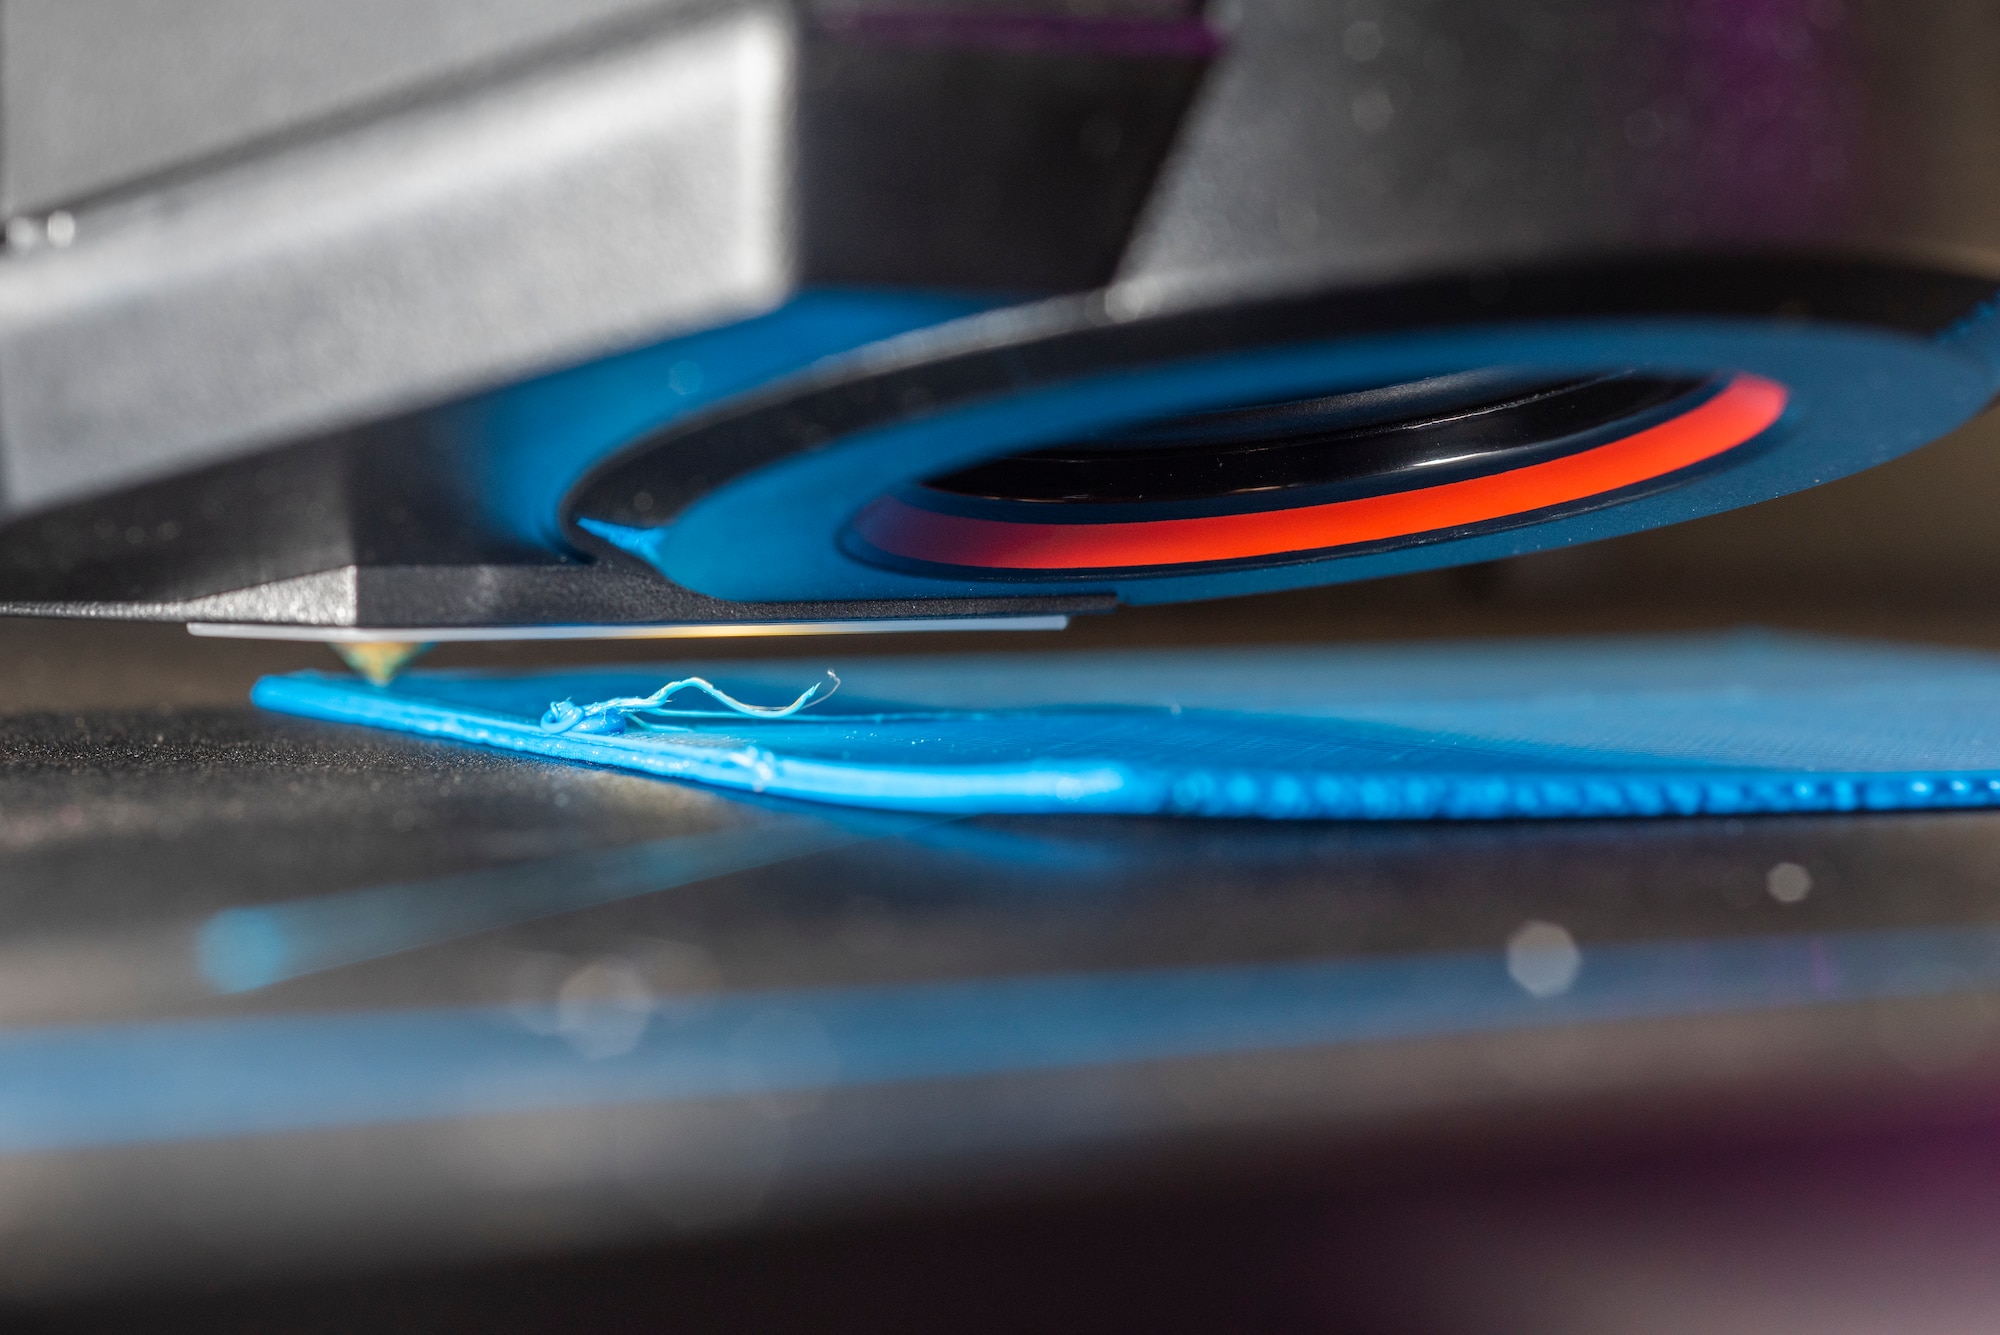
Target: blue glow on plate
70 1087
242 949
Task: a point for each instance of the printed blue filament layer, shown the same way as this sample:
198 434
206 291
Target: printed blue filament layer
1727 725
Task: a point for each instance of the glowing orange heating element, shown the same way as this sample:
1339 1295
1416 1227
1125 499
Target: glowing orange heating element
1745 407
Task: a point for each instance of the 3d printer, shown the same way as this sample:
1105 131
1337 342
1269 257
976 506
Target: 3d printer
454 320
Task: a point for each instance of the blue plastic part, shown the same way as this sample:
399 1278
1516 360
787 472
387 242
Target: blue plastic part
537 438
1979 335
1859 397
1538 729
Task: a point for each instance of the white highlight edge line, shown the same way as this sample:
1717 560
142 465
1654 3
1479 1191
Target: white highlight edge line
719 630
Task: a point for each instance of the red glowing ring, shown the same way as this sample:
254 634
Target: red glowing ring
1744 408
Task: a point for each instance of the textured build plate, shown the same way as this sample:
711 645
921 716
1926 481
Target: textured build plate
1719 724
285 998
